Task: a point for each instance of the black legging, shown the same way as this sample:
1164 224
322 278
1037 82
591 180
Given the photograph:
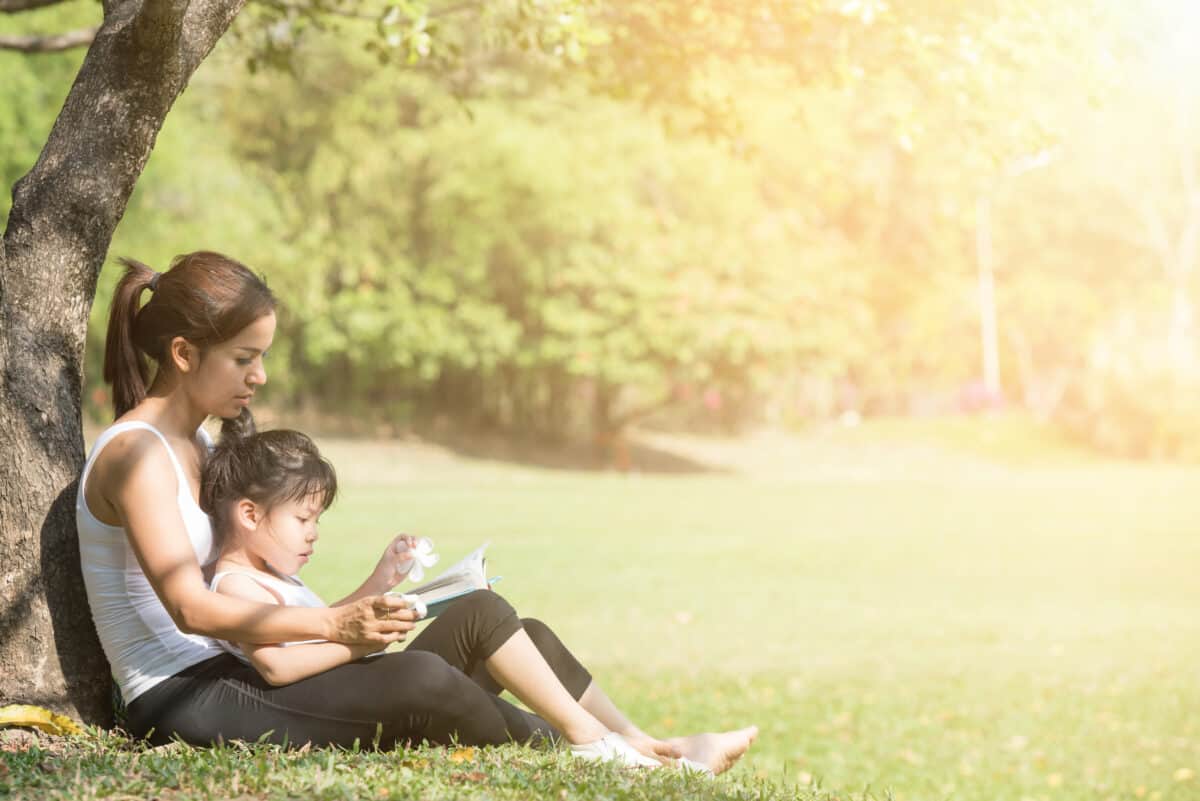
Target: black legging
437 689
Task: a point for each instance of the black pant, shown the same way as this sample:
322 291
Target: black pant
437 689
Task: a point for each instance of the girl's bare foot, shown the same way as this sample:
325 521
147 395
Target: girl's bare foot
716 750
653 747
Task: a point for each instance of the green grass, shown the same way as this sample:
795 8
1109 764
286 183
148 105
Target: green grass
934 624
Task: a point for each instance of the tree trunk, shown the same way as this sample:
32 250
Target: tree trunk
63 216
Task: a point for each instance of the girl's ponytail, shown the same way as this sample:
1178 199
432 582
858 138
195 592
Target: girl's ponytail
124 366
235 429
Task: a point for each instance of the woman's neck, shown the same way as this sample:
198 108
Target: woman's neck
169 409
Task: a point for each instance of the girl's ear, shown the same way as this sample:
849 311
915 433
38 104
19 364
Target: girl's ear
248 514
183 355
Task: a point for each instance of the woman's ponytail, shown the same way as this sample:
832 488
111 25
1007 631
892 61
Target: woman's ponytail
124 366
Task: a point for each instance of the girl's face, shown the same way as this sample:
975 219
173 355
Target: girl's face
285 536
223 380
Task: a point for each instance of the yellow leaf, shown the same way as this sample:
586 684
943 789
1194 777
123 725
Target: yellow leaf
37 718
462 755
1184 774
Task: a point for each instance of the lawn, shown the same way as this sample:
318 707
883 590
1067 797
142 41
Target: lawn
900 614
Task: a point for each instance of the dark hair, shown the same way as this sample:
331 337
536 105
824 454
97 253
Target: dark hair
268 467
204 297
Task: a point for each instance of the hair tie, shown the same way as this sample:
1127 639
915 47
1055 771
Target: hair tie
154 281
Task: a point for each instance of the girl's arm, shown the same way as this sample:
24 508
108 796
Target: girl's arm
392 569
139 483
281 665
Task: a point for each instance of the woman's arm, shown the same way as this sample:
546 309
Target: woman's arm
140 485
284 665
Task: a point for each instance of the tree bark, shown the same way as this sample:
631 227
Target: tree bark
63 216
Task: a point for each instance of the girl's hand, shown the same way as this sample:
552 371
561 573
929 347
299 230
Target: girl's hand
395 563
374 620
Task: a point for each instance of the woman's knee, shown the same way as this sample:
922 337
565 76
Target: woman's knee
426 677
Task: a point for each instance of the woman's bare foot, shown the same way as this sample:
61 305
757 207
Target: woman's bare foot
717 750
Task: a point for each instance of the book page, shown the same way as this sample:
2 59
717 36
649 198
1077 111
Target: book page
466 574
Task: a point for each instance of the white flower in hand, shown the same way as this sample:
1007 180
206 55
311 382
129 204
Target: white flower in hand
405 557
418 555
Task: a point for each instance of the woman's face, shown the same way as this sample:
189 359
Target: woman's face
224 380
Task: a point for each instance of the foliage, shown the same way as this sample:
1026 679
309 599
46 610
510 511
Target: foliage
560 217
31 94
534 253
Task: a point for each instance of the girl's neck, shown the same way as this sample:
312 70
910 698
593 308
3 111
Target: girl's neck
240 557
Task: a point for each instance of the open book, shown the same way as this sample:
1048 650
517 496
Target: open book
462 578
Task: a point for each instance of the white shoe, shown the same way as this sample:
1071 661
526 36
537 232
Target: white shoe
692 766
612 747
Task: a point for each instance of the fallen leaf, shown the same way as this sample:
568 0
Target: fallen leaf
461 755
473 776
36 717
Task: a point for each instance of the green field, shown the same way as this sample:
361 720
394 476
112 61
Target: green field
931 620
950 621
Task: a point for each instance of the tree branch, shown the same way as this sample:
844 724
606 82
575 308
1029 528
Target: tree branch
15 6
311 9
49 44
317 9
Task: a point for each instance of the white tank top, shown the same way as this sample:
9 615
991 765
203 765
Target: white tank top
290 591
141 641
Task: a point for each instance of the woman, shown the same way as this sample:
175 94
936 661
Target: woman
144 542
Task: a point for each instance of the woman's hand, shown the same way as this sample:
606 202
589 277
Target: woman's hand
374 620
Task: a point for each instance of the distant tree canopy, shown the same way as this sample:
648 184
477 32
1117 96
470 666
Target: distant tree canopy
559 217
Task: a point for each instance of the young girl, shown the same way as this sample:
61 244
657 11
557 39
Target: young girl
265 494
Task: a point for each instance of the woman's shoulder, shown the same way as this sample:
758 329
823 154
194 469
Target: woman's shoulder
126 462
133 457
132 443
128 449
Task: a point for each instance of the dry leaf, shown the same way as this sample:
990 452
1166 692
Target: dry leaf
461 755
35 717
473 776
